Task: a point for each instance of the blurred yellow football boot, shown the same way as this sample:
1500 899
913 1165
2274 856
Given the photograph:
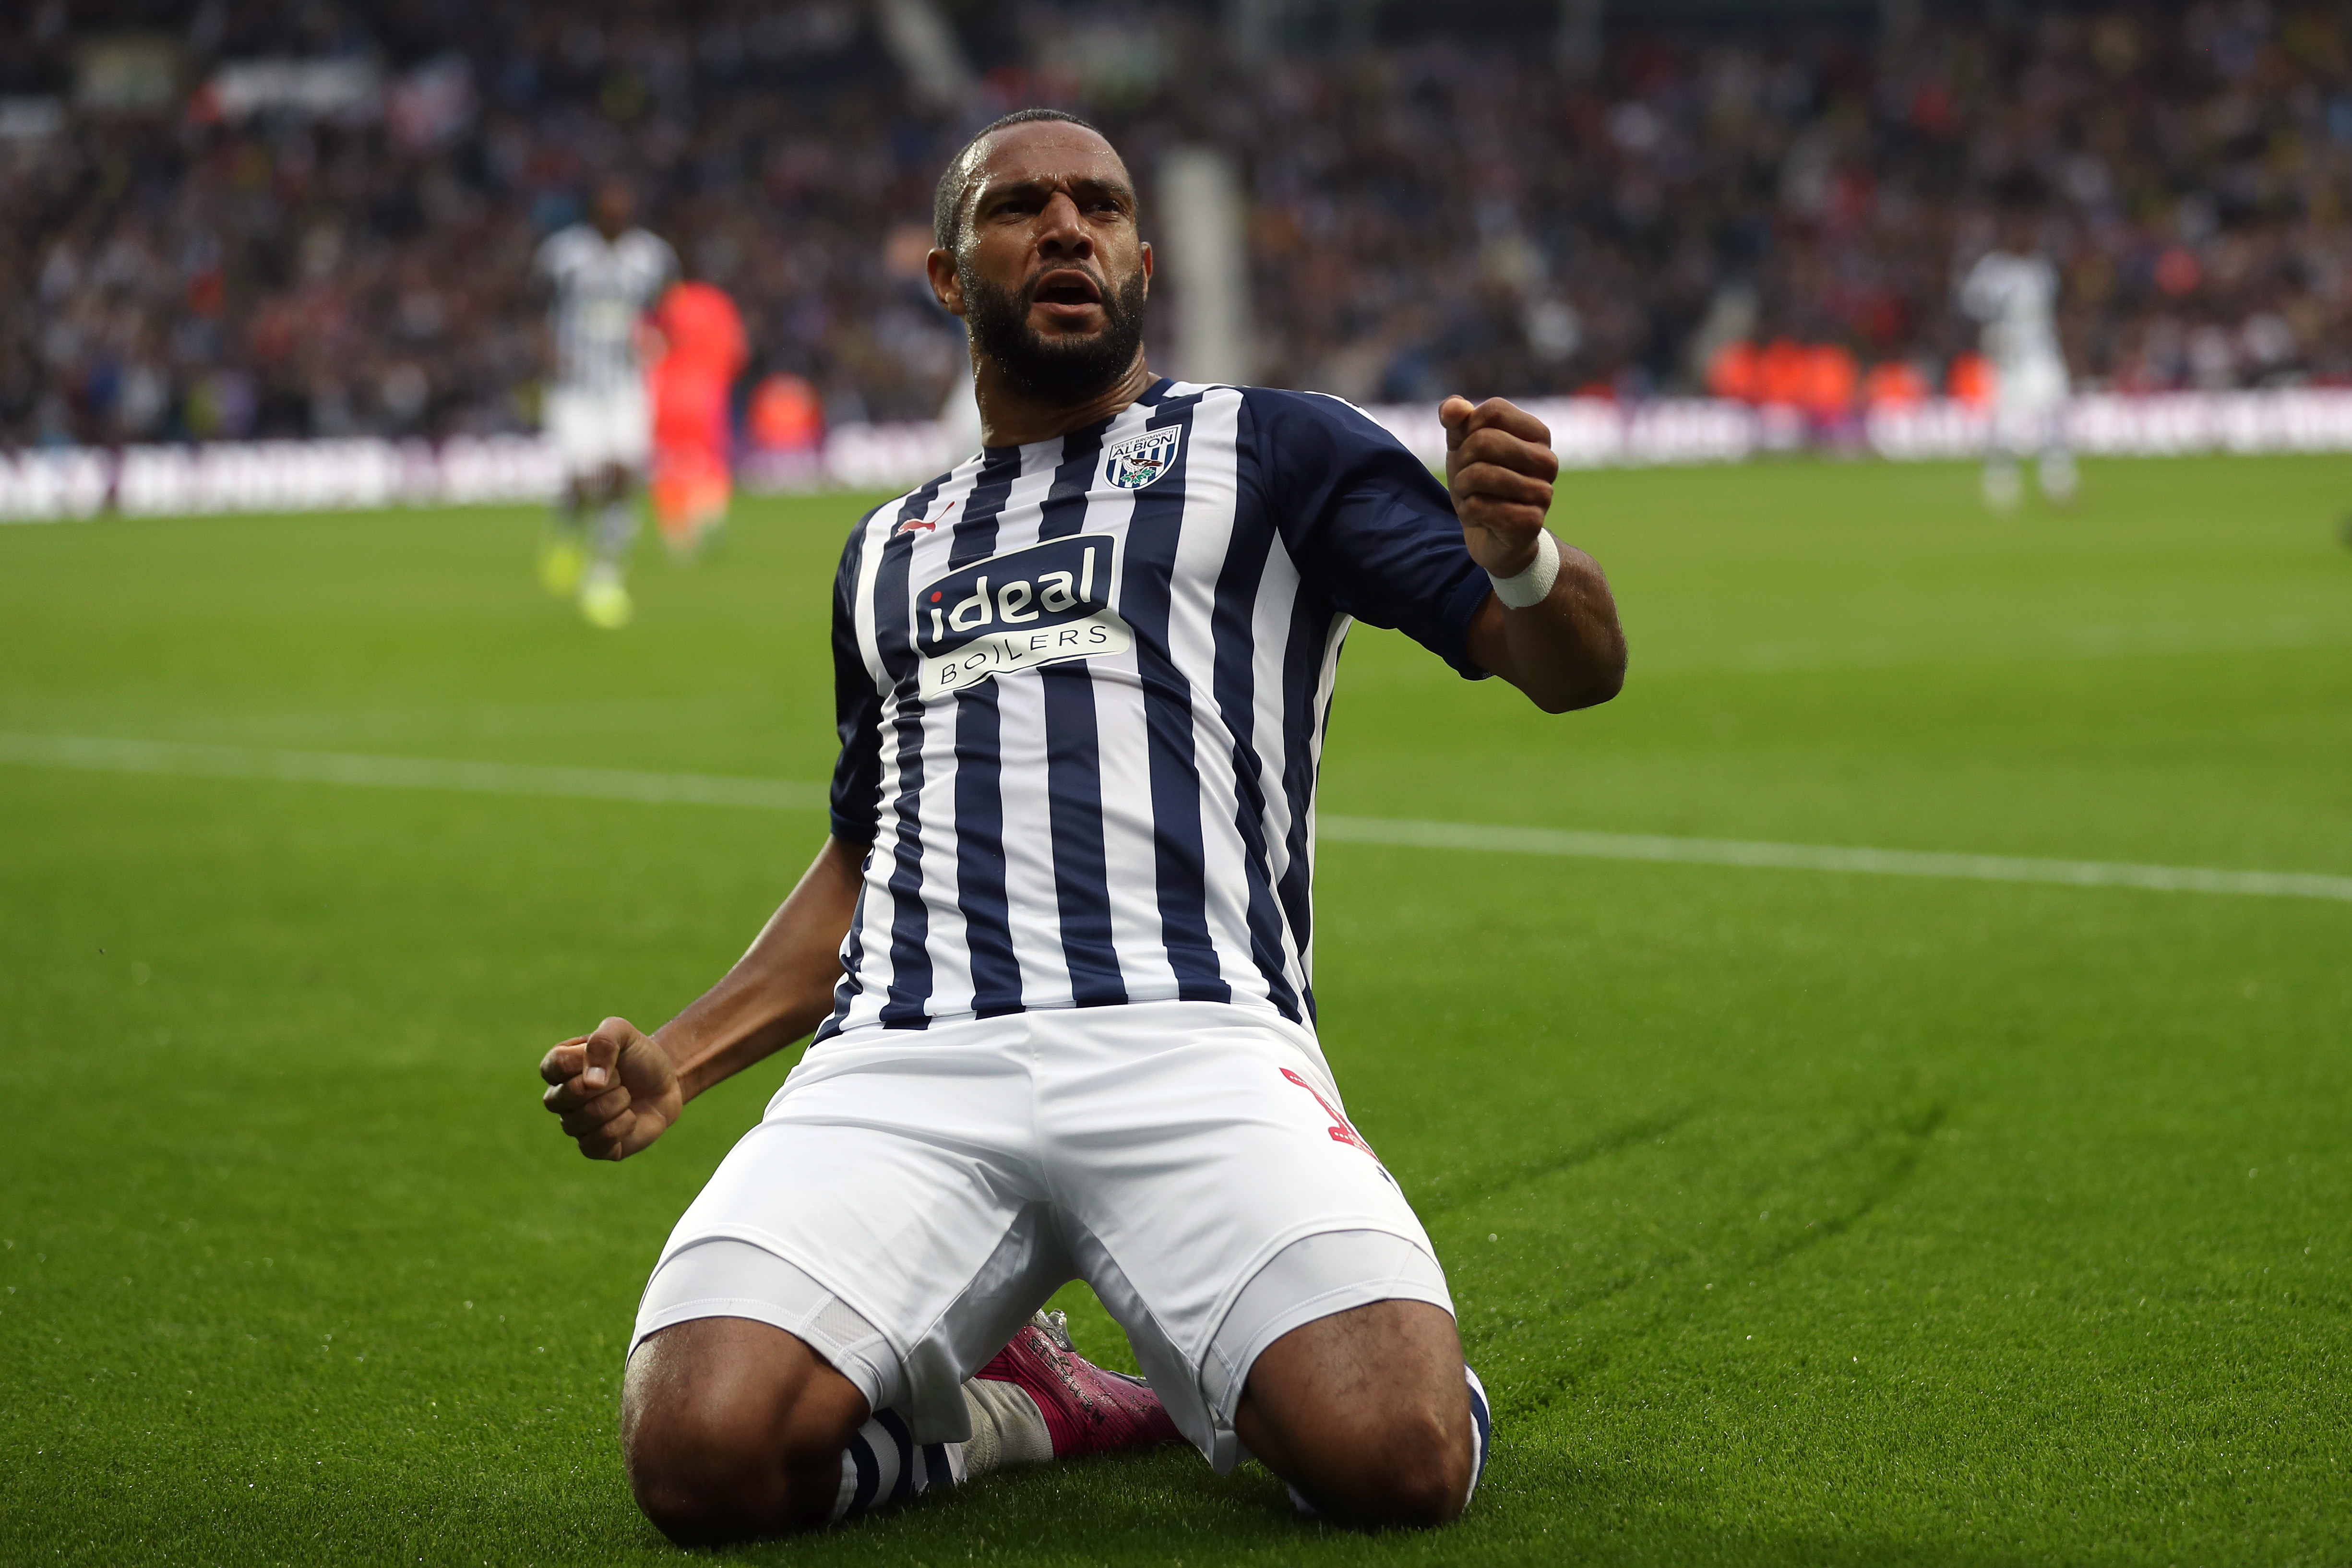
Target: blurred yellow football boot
604 599
561 560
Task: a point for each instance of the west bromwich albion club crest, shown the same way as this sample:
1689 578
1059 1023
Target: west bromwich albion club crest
1140 459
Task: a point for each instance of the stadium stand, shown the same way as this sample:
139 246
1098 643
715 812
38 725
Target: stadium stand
249 220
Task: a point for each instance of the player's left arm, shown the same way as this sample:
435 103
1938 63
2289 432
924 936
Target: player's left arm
1566 650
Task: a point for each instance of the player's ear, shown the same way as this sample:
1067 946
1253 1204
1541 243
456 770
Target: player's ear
947 284
1146 268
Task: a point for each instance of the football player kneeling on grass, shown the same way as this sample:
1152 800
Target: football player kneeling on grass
1055 951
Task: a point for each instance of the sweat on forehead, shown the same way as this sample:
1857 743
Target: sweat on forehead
953 195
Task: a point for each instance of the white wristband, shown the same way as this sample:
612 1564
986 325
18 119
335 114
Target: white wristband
1532 586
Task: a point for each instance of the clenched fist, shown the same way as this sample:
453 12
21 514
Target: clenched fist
615 1090
1499 465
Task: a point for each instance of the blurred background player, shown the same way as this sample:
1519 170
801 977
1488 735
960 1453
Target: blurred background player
2013 290
603 276
703 350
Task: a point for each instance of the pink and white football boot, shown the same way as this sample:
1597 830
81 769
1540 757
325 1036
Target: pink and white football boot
1087 1410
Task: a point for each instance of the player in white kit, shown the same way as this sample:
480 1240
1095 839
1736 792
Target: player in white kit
603 277
1057 949
2013 290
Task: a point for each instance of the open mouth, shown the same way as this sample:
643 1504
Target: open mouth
1066 290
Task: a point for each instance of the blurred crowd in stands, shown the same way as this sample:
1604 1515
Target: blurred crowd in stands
247 217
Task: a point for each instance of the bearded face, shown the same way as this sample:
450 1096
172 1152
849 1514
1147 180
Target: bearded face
1064 368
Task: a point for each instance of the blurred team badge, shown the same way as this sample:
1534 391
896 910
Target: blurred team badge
1140 459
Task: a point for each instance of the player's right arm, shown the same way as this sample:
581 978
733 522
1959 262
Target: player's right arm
618 1088
1979 289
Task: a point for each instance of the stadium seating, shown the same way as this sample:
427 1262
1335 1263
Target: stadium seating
336 244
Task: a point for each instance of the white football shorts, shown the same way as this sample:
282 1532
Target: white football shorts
600 426
911 1197
2029 405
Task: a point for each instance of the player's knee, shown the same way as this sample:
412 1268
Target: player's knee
1407 1468
715 1465
1421 1473
695 1467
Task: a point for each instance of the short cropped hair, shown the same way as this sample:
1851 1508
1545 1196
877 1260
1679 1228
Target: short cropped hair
955 181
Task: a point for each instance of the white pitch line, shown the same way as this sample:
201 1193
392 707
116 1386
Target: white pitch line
1583 846
189 760
2151 639
174 757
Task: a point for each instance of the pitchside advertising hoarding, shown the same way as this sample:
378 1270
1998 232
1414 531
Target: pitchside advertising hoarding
59 484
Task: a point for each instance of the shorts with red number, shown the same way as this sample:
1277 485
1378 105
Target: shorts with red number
912 1196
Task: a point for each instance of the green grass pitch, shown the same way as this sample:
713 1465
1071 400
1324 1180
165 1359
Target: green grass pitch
1795 1217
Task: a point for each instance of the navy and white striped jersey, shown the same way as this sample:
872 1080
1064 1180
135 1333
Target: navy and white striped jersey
601 289
1082 687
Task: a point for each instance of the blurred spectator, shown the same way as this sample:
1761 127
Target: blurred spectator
317 217
1896 383
785 415
1970 380
1736 373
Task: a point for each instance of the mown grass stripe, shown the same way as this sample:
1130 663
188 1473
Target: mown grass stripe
198 760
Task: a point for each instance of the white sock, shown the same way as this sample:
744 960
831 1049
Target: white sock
2002 483
2057 475
1007 1428
884 1465
616 527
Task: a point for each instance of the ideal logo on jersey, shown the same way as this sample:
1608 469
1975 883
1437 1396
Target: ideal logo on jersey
1021 610
1139 460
